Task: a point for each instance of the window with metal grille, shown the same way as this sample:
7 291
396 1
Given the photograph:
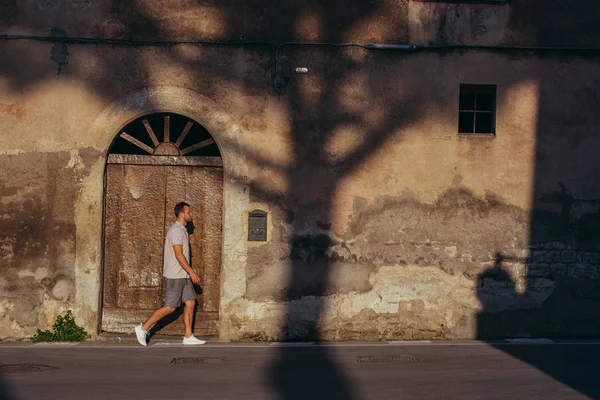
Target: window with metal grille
477 109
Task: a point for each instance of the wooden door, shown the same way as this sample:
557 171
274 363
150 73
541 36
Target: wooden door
139 202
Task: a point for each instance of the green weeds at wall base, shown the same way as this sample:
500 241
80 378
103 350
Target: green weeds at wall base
64 330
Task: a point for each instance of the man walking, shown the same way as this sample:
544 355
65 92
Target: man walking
178 278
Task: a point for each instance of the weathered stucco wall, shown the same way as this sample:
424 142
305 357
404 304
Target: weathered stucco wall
383 221
39 192
434 234
513 23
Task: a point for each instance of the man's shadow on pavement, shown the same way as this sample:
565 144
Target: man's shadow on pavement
506 313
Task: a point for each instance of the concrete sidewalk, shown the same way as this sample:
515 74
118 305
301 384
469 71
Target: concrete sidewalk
294 371
125 340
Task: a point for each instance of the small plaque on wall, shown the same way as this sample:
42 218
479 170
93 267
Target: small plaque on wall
257 226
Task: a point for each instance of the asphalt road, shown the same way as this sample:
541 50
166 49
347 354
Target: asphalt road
439 370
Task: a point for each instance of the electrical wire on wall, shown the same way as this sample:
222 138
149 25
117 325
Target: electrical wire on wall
280 73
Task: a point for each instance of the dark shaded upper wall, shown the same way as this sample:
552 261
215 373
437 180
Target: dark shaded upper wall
554 23
515 23
518 22
208 19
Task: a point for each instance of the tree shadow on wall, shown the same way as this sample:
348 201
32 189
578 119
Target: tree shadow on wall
533 314
301 373
314 180
316 114
340 94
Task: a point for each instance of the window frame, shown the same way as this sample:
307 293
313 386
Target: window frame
474 89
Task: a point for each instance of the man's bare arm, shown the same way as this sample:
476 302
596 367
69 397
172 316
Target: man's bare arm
184 264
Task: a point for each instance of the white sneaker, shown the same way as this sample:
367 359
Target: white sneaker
140 333
193 340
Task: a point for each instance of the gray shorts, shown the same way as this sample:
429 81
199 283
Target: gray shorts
178 290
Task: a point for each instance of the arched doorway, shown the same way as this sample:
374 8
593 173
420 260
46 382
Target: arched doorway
155 162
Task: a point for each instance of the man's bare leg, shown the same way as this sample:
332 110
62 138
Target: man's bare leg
157 316
188 315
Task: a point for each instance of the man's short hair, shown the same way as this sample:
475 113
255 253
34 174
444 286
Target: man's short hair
179 208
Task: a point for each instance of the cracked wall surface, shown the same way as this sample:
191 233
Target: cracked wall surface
38 239
461 267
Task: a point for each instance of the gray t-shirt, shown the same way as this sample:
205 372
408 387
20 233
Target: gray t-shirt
177 234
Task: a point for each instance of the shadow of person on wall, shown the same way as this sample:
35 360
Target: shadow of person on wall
526 317
506 313
495 288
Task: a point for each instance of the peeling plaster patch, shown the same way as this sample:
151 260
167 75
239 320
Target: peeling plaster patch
437 234
6 306
427 284
10 328
39 274
75 161
392 299
348 306
409 270
11 152
62 290
406 301
245 316
451 251
6 247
